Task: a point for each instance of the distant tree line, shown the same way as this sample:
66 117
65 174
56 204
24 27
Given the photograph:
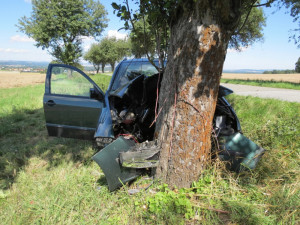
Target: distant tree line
279 72
296 70
297 66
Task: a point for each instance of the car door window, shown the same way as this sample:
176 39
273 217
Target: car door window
66 81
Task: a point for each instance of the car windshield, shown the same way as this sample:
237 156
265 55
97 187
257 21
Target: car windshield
130 70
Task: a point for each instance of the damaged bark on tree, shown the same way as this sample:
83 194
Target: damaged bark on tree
189 89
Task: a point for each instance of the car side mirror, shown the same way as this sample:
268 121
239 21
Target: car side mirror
95 94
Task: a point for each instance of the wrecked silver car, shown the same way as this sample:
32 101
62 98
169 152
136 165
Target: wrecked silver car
118 119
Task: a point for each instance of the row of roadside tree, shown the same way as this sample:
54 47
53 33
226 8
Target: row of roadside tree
107 51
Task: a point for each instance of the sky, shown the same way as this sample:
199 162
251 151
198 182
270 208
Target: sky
275 52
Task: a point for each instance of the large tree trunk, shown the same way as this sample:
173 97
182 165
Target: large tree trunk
188 94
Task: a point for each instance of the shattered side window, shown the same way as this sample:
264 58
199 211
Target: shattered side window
65 81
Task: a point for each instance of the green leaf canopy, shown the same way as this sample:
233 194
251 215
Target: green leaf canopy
59 25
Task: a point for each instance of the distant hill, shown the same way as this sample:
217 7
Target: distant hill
244 71
14 63
23 63
39 65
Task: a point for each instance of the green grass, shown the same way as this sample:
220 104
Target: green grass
45 180
264 83
102 79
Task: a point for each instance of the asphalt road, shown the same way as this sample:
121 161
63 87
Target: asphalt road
265 92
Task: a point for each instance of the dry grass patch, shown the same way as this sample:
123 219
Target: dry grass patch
9 79
294 78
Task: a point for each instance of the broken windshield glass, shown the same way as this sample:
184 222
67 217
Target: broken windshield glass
131 70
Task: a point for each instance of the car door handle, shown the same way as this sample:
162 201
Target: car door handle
51 103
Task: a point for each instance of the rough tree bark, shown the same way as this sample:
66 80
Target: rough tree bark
189 89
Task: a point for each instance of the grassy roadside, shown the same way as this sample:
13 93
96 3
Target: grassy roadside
53 180
263 83
102 79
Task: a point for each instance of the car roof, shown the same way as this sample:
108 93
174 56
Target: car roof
137 60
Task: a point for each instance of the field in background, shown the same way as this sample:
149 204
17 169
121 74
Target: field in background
10 79
295 78
16 79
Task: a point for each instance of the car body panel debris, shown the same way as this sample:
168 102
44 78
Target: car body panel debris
124 116
241 152
108 160
143 155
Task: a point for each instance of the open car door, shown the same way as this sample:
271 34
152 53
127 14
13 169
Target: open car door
72 102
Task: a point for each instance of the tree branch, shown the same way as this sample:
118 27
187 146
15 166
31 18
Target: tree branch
131 21
145 50
248 14
268 3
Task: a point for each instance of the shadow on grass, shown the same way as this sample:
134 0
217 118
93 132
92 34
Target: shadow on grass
102 181
23 135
